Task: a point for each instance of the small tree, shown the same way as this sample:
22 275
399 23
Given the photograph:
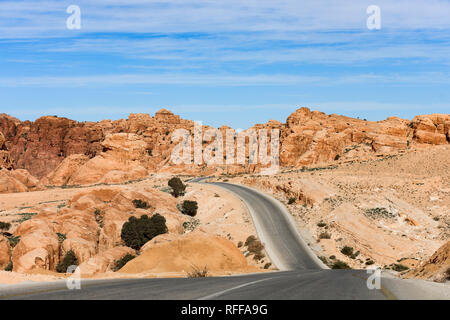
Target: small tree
136 232
5 225
70 259
119 264
190 208
140 204
348 251
177 186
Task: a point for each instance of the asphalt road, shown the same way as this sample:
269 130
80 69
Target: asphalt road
305 277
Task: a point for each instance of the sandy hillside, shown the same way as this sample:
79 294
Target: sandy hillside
391 211
90 220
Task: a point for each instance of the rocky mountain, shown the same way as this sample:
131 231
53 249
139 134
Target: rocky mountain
62 151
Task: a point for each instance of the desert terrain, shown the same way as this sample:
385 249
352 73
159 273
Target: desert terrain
364 194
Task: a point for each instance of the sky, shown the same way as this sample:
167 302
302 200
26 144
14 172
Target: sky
234 62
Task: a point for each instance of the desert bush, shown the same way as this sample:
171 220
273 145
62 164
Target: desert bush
9 267
291 200
177 186
255 247
118 264
198 273
259 256
140 204
13 241
5 225
136 232
332 257
240 244
348 251
249 240
267 265
324 235
70 259
354 255
369 262
447 273
189 208
61 237
323 259
399 267
340 265
321 224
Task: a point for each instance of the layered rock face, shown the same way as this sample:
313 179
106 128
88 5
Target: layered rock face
122 149
311 137
437 268
90 224
13 180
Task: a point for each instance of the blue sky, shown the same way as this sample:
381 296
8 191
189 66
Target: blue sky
235 62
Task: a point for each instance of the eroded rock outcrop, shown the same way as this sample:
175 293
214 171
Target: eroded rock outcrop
13 180
437 268
308 137
5 252
90 225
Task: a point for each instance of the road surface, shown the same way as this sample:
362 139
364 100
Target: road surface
304 276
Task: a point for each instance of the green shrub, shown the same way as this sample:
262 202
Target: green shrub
267 265
9 267
240 244
399 267
324 235
354 255
259 256
255 247
70 259
177 186
140 204
340 265
332 257
61 237
369 262
323 259
13 241
136 232
249 240
291 200
321 224
189 208
5 225
118 264
348 251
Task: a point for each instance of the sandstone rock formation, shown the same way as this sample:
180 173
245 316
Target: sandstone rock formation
13 180
5 157
90 224
5 252
105 261
307 137
123 158
437 268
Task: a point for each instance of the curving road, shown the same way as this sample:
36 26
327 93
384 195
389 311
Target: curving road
304 276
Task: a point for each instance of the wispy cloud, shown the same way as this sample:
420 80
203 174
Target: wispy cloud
221 80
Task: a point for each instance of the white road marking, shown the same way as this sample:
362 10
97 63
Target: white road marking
215 295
